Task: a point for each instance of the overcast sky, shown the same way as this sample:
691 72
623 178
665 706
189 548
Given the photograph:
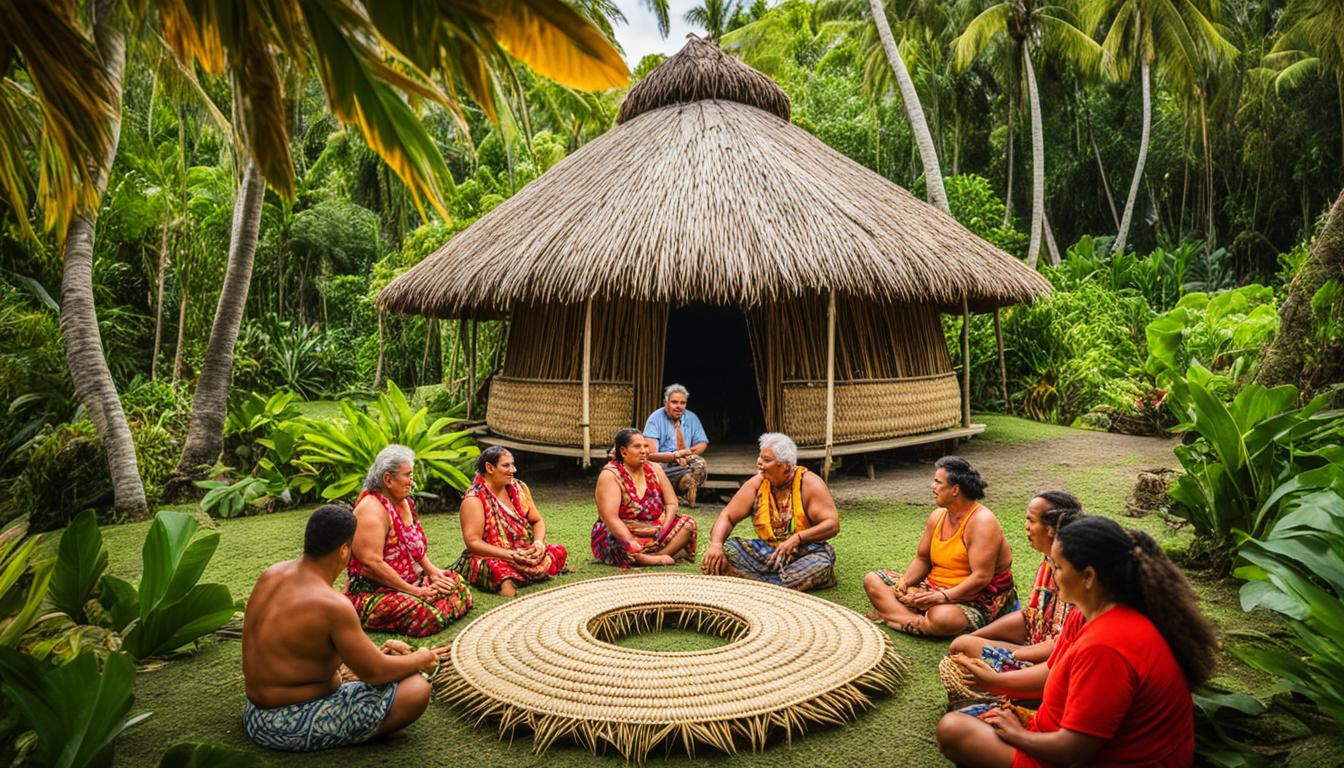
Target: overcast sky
639 36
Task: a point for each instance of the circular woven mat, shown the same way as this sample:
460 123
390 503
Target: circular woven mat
547 662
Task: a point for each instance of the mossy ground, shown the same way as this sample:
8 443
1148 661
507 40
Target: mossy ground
198 696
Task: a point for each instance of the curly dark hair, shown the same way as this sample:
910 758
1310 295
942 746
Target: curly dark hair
1064 508
1134 570
961 474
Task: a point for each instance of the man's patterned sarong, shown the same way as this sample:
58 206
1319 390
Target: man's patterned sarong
348 715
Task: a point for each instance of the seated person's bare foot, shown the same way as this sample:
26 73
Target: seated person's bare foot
508 588
643 559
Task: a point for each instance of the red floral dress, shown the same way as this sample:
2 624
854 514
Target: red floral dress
507 528
642 515
389 610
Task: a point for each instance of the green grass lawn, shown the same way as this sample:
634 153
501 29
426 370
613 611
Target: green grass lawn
199 696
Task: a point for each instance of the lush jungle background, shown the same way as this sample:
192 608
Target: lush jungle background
187 292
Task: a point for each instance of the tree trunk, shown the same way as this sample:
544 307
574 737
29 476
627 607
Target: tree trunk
1296 356
1101 169
933 175
158 293
1210 229
79 319
205 434
1012 146
1128 217
1037 160
181 330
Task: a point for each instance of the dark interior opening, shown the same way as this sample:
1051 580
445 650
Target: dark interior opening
709 353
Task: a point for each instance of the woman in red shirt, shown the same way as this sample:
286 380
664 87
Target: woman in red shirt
1118 693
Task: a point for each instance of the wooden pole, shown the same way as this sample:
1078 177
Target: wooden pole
965 361
587 379
830 385
1003 367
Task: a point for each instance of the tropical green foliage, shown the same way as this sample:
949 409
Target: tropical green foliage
1223 333
24 577
342 452
1297 570
76 709
80 562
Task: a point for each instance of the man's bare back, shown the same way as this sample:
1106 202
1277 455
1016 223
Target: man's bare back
288 652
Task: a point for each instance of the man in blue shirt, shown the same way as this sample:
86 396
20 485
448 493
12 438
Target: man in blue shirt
678 441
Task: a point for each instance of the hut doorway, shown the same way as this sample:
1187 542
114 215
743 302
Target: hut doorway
709 352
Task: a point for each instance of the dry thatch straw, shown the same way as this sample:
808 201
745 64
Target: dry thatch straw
545 663
714 199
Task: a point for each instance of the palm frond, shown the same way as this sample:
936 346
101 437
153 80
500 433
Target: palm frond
968 45
75 102
556 42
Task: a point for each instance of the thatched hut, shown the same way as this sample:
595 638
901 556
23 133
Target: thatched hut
707 240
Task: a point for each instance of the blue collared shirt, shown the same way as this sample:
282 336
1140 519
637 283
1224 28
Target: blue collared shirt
659 428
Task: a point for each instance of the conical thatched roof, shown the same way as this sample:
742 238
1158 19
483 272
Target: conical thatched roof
705 192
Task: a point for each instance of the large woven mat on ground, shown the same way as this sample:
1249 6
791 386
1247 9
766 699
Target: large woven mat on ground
547 662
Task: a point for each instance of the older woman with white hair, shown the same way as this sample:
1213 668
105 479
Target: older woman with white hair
393 584
794 516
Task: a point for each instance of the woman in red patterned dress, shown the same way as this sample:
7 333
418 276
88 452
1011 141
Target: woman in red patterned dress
393 584
637 520
503 531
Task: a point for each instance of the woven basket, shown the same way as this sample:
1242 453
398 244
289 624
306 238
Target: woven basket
549 411
546 662
871 410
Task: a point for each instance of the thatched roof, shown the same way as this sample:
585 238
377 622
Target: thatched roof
709 199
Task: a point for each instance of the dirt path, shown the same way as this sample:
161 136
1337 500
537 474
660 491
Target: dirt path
1078 460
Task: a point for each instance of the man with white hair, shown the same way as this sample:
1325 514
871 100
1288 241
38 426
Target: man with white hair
677 439
794 516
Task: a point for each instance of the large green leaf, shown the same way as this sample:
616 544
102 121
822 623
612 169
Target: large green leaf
121 601
76 711
165 545
80 562
204 609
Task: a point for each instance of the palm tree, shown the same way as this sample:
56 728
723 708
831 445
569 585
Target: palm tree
1311 43
1030 25
473 47
77 84
713 16
914 112
79 319
1178 35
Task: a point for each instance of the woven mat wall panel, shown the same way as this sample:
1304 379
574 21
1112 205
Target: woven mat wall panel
549 411
871 410
544 662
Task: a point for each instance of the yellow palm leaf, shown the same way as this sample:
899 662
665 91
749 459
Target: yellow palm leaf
73 99
554 40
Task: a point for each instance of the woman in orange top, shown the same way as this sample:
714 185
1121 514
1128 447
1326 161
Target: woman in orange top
961 578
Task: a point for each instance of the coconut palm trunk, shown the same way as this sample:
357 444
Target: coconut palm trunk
79 319
1297 356
914 113
1127 218
205 434
1037 160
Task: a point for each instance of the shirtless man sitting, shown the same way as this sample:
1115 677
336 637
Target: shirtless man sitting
296 633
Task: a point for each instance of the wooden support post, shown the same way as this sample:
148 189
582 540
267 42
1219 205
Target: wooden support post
1003 367
965 361
586 461
830 385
